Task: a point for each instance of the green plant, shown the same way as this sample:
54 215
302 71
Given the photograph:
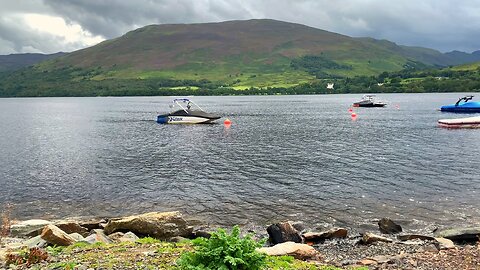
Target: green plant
224 251
55 250
288 263
148 240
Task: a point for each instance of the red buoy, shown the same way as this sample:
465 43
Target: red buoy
353 116
227 122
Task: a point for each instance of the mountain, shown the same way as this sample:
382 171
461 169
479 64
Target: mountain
234 54
240 47
13 62
458 58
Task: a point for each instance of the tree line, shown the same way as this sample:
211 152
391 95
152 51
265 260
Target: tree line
32 83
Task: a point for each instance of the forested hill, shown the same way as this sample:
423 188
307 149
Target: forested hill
234 55
13 62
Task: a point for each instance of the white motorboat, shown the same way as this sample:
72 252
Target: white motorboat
369 101
185 111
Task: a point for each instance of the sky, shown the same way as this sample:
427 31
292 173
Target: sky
49 26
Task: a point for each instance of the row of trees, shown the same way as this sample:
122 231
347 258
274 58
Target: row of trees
63 83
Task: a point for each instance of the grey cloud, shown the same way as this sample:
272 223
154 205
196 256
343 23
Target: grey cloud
15 37
444 25
111 18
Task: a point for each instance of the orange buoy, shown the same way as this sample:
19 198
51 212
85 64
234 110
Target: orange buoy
227 122
354 114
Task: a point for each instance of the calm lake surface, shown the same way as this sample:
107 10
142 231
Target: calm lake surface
284 157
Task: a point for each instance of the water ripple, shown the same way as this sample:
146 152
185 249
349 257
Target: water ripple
284 157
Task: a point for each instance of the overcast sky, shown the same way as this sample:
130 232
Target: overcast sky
49 26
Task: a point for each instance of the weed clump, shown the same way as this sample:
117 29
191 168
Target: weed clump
28 257
6 221
224 251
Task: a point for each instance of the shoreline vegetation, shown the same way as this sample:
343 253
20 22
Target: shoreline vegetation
77 82
167 240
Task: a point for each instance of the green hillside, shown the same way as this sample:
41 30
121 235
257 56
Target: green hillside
13 62
467 67
234 54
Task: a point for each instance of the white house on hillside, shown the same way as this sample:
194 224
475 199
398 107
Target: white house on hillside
330 85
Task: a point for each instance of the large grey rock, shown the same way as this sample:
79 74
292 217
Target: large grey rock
283 232
460 234
200 233
72 227
36 241
158 225
369 238
129 237
123 237
66 226
77 236
93 224
53 235
177 239
387 226
98 235
27 227
297 250
299 226
317 237
115 236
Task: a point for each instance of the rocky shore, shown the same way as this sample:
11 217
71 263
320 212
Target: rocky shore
388 247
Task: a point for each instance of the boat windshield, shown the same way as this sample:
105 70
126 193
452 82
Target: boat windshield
465 99
184 104
368 97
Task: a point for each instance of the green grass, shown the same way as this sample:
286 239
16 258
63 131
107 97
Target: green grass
148 253
238 79
466 67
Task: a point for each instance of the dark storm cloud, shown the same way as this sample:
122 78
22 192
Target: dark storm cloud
444 25
111 18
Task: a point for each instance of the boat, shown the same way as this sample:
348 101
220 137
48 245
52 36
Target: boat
463 105
469 122
369 101
185 111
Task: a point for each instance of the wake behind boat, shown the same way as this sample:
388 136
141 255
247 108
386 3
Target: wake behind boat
185 111
369 101
463 105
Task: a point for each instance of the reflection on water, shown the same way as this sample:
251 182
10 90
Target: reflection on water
283 157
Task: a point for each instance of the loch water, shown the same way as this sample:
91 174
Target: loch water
299 158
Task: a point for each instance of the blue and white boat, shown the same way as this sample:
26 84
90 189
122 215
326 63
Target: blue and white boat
185 111
463 105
